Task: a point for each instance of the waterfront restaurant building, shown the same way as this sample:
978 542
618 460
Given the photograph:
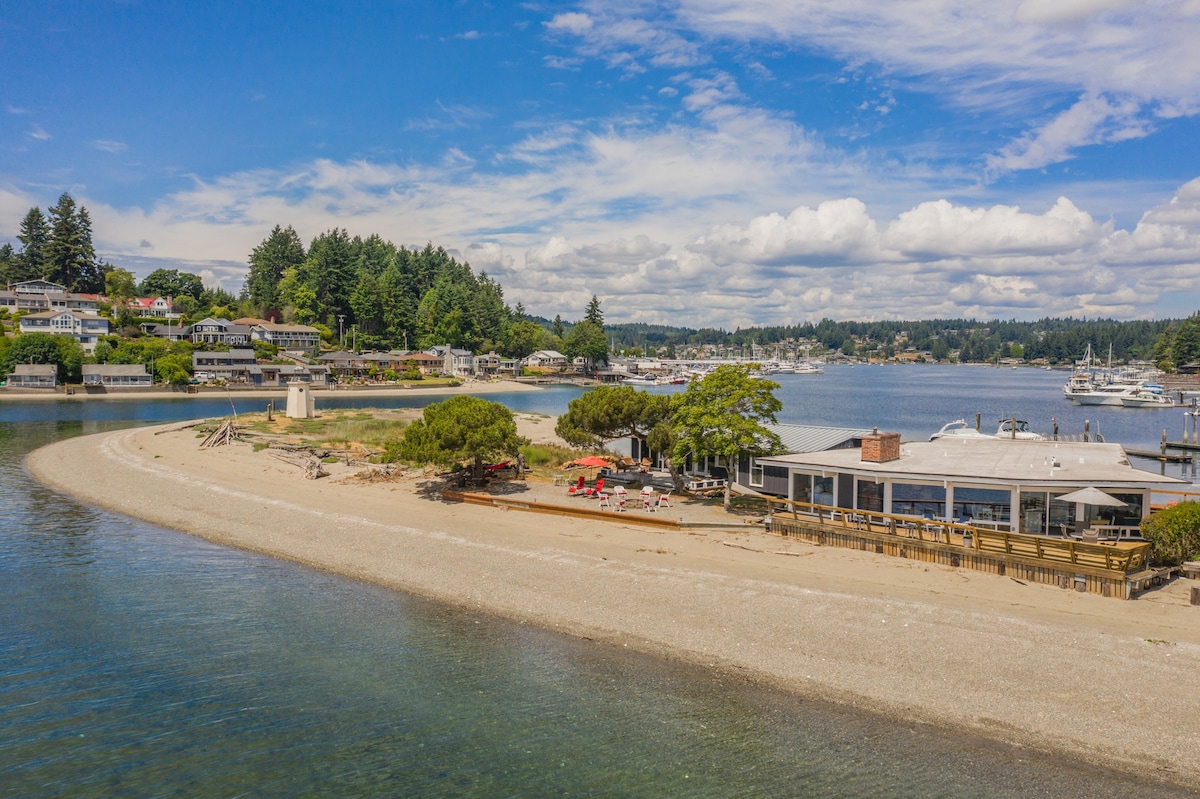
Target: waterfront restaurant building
1008 485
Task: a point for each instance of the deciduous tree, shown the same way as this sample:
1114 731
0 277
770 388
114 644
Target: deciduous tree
722 415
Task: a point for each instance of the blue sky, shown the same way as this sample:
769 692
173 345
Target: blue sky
699 162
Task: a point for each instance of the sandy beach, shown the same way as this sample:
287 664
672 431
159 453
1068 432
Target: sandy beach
1114 682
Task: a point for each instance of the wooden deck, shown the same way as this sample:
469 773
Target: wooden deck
1100 568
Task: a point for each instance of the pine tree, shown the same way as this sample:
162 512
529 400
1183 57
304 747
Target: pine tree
594 314
70 258
30 262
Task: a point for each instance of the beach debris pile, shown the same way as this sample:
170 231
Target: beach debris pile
225 433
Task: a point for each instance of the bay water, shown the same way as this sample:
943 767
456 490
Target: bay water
137 661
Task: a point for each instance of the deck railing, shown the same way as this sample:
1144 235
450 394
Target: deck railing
1124 556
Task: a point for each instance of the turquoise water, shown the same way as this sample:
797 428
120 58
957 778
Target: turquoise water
142 662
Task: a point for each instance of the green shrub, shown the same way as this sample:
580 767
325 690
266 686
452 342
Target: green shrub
1174 533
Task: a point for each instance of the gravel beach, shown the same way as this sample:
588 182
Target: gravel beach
1114 682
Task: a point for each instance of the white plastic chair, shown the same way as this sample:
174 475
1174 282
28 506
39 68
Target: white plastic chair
663 500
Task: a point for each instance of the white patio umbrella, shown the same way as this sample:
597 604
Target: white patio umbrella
1092 496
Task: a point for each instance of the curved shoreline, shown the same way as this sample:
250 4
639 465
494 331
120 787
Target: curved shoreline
1093 678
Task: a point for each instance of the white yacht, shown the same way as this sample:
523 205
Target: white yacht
1147 397
1017 429
958 429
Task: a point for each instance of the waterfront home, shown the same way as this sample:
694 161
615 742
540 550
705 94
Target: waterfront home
219 331
456 362
116 375
287 337
546 359
492 364
33 375
1006 485
275 375
84 328
233 365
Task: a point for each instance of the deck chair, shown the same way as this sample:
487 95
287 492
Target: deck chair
577 489
595 491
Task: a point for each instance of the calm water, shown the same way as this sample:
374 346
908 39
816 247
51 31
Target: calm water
141 662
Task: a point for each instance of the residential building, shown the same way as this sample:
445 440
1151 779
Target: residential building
116 375
456 362
287 337
219 331
84 328
33 375
233 365
546 359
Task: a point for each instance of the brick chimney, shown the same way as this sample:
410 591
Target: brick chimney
881 447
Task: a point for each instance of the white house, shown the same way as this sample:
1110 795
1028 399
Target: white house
546 359
287 337
84 328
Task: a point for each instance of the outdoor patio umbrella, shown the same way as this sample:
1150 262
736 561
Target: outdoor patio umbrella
1092 496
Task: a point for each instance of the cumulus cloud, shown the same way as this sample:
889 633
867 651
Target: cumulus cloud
939 229
836 231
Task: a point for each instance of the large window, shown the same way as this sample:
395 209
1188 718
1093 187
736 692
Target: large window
813 489
983 504
913 499
870 496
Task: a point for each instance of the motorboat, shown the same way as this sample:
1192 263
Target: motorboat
1017 429
1147 397
958 429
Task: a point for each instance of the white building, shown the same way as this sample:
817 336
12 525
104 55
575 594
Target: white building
84 328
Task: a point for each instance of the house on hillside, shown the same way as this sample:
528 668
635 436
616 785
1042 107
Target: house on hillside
219 331
84 328
287 337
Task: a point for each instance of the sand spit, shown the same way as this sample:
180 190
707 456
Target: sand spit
1117 683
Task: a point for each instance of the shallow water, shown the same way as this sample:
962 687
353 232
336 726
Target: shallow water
142 662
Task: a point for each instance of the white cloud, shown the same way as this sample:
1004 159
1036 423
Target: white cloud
938 229
110 146
1130 63
36 132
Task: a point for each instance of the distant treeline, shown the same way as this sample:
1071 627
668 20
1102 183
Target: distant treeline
970 340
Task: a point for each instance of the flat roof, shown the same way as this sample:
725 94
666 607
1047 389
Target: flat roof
990 461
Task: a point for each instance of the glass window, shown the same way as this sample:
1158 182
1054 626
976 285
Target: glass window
914 499
984 504
802 487
1033 512
756 472
822 490
870 496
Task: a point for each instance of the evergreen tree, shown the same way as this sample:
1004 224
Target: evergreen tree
34 235
278 251
559 328
70 258
593 313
